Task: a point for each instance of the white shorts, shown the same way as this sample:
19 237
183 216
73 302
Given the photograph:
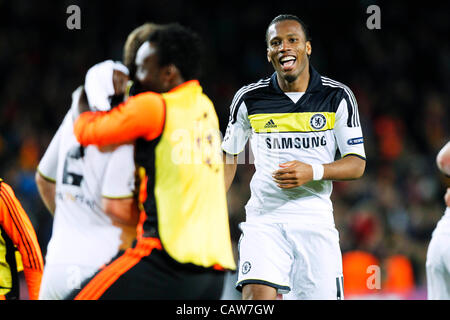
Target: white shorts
300 260
438 267
59 280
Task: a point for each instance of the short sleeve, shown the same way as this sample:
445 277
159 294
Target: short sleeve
348 129
238 131
49 162
118 181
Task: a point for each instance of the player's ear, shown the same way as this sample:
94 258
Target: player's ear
308 48
268 56
169 73
170 69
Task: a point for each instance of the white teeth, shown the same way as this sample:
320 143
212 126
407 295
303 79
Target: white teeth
286 59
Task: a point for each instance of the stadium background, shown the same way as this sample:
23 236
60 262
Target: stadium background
399 74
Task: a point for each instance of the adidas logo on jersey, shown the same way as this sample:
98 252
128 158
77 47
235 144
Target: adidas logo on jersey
270 124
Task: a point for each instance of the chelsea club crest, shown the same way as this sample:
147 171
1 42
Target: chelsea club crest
318 121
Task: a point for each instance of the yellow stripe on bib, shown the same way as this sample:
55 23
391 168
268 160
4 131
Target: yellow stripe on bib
292 122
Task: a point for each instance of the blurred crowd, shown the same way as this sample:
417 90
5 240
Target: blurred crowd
400 75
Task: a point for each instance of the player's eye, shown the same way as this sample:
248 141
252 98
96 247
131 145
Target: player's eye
275 43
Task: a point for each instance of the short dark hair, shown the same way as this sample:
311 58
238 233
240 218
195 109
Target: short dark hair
178 45
283 17
134 40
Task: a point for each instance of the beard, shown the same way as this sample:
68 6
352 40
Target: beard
290 78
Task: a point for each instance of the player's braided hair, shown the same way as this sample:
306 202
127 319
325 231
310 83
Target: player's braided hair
178 45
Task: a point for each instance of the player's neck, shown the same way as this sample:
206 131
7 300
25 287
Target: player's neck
298 85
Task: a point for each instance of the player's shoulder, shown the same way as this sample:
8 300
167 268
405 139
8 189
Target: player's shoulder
5 187
248 90
254 87
3 183
147 95
146 102
339 91
336 86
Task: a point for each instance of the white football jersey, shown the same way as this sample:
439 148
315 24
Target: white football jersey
282 127
443 225
82 233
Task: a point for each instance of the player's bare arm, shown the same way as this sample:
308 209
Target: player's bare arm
46 190
230 165
254 291
124 211
296 173
125 214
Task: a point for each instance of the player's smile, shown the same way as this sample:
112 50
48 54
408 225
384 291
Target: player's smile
288 49
287 62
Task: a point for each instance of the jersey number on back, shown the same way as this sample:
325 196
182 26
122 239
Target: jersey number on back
72 173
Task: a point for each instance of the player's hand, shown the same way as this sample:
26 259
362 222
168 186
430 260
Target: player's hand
120 80
447 197
292 174
443 159
104 80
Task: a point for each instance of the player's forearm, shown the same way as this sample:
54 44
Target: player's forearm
46 191
230 166
348 168
296 173
33 279
140 116
97 128
123 211
124 214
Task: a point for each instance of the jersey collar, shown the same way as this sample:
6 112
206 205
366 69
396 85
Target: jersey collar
315 82
186 84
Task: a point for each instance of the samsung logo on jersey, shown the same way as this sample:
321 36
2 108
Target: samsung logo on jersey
355 141
298 143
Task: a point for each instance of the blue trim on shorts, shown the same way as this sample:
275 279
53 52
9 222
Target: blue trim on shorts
240 284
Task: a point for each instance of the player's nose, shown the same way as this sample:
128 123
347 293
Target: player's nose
284 46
